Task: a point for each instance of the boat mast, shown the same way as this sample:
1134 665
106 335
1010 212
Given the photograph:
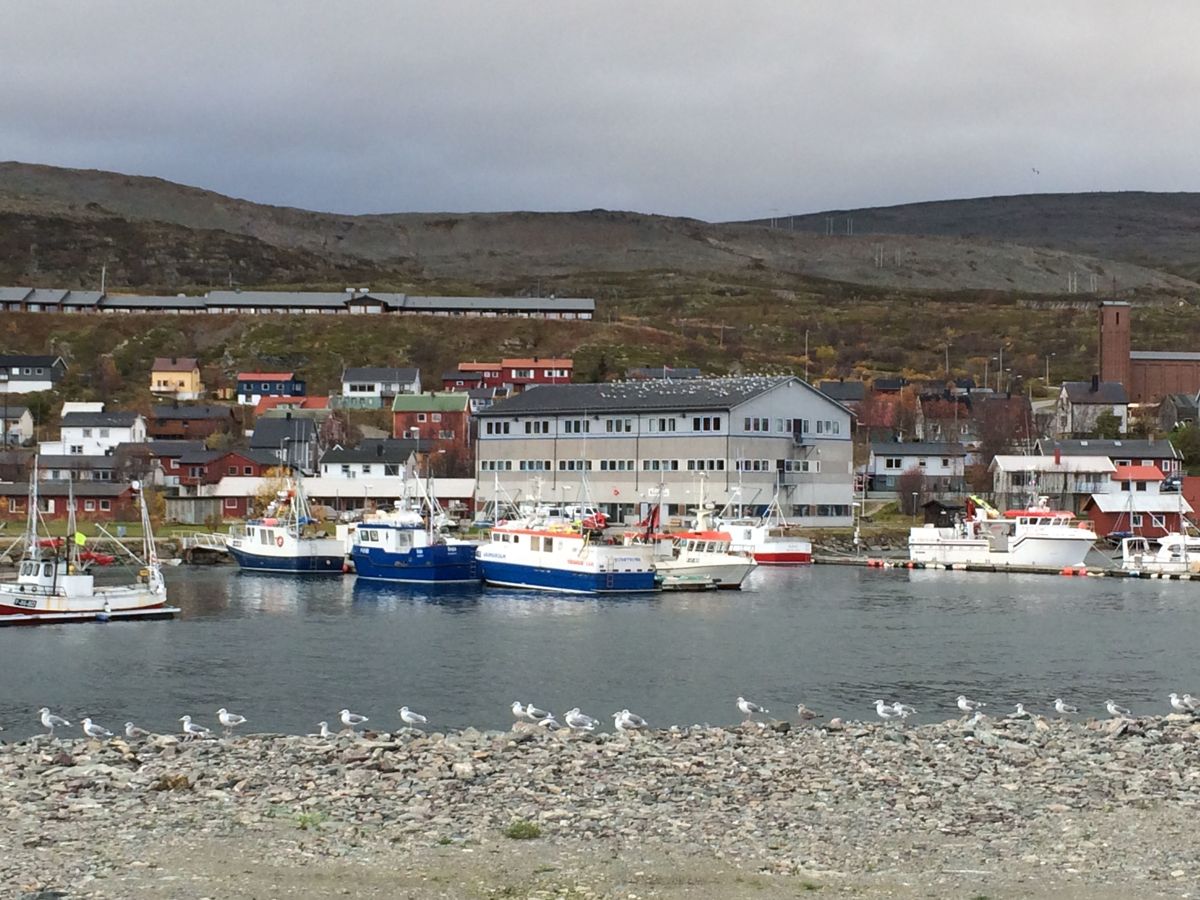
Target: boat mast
31 525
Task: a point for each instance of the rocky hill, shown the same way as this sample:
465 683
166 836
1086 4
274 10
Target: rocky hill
196 237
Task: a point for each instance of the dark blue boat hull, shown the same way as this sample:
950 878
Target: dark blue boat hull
439 564
548 579
295 565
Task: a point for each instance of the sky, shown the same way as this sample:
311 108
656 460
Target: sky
715 110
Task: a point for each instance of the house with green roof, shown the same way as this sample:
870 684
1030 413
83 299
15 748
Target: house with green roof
440 419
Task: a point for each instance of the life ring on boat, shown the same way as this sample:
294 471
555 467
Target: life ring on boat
279 541
616 492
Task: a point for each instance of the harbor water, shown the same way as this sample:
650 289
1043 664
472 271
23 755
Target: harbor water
287 652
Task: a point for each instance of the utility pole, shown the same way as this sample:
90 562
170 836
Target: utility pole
103 277
806 354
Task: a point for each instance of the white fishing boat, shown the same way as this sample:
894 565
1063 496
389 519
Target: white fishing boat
1170 554
56 578
761 537
1037 536
287 539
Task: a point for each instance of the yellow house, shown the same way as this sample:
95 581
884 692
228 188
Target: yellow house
177 377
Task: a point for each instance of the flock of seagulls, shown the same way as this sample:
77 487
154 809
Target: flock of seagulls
577 721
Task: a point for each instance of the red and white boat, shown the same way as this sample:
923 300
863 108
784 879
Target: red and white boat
55 580
757 537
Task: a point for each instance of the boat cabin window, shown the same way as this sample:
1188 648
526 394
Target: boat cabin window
547 544
535 543
47 569
264 536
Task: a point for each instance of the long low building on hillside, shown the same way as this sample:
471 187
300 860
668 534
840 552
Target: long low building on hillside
355 302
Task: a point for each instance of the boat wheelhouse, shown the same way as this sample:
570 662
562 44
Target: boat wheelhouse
402 546
1171 554
558 557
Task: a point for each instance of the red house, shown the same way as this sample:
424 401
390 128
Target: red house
515 374
94 501
210 466
1138 506
442 421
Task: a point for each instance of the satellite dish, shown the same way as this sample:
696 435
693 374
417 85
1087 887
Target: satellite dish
135 484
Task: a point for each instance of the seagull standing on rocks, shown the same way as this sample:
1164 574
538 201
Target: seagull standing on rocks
1019 712
749 709
536 715
324 731
230 720
1064 709
549 723
352 720
192 730
1192 703
627 721
805 713
519 712
903 710
1119 712
969 706
134 733
884 711
577 721
1177 703
94 730
51 721
410 718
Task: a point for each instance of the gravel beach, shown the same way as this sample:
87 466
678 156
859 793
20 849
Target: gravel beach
1003 808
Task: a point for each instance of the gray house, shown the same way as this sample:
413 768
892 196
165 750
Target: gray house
24 374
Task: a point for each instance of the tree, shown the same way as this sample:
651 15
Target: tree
1002 425
1108 426
911 486
1187 442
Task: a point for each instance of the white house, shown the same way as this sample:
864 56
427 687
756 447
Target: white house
381 383
1081 403
17 427
371 459
1067 480
25 374
731 440
942 464
95 434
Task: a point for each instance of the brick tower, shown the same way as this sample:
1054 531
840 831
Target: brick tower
1114 342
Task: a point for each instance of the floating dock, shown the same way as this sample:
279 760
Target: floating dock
66 618
875 562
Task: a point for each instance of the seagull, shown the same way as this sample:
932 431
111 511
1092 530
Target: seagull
324 732
410 718
1177 703
577 721
192 730
977 718
1113 710
1191 702
969 706
1019 712
535 714
1064 709
884 711
749 709
352 720
133 732
52 721
903 709
549 722
94 730
627 721
804 712
521 713
230 720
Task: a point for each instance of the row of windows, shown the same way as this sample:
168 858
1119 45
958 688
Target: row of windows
897 462
16 505
670 424
652 465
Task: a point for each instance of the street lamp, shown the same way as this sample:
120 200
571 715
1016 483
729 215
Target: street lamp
1049 356
914 507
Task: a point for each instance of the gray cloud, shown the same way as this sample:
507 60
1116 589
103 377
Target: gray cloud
717 110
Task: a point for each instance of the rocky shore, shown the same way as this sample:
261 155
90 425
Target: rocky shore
1000 808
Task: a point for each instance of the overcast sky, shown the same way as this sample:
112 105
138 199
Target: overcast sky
715 110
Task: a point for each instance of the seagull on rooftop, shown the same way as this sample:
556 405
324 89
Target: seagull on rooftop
51 721
230 720
94 730
1119 712
969 706
352 720
410 718
192 730
1064 709
134 733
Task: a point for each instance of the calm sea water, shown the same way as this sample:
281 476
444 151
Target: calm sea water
287 653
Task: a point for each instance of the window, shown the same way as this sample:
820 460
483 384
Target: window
495 465
921 462
105 505
89 505
436 417
893 462
445 435
1141 485
12 505
232 470
497 427
391 469
664 424
574 465
577 426
537 426
1135 520
945 462
76 448
1126 486
87 432
247 470
345 471
231 502
420 417
103 432
809 466
366 469
522 373
618 425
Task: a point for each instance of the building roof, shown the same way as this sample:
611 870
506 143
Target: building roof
1183 402
462 376
445 401
61 488
13 411
391 451
143 301
1164 355
536 362
479 366
270 404
14 294
118 419
1138 473
1139 501
75 461
266 376
203 411
269 433
691 394
1089 464
888 384
175 364
376 373
1123 448
160 448
843 391
661 372
22 359
918 448
1107 393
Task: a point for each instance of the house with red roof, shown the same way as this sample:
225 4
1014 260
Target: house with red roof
1136 504
253 386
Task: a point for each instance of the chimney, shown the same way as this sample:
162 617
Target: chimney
1095 383
1058 456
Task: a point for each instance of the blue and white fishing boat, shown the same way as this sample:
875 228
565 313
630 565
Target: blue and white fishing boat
287 539
555 555
401 546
